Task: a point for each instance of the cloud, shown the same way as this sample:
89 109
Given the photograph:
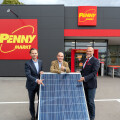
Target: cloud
39 1
73 2
1 1
90 2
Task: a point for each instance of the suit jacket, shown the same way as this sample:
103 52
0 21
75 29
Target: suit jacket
32 75
55 67
90 73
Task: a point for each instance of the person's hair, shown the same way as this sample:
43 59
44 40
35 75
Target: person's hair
33 49
61 52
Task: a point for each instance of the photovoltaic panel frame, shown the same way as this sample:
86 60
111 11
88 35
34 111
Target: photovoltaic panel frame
62 97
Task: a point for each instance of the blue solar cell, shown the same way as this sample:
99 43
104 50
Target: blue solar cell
62 98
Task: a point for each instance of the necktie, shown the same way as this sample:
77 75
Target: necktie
86 62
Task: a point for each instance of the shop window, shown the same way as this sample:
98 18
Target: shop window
101 49
84 43
68 49
68 58
101 45
81 47
70 43
113 55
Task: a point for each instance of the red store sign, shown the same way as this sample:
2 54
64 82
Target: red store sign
87 16
17 37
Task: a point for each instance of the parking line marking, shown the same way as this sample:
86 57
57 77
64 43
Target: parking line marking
107 100
26 102
22 102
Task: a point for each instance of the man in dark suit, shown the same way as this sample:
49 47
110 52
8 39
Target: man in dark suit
89 78
33 69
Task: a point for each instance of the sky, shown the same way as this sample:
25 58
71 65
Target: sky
74 2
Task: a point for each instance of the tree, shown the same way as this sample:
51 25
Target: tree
13 2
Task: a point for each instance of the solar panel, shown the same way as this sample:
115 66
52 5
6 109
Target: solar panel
62 98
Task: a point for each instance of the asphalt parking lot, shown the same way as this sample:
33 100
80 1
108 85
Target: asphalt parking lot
14 99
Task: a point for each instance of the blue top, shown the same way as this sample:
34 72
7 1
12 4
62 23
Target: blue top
36 65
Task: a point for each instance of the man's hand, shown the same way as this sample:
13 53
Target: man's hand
62 68
41 72
40 82
82 79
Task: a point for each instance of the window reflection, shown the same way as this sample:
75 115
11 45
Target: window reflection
101 49
68 49
84 43
100 44
81 47
70 43
113 55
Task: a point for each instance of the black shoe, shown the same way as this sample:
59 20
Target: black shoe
36 117
33 118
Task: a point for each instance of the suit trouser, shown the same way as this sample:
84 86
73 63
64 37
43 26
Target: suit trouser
31 94
90 96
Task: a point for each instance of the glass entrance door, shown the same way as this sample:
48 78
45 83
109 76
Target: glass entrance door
79 59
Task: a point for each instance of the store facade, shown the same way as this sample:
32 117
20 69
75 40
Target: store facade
58 30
